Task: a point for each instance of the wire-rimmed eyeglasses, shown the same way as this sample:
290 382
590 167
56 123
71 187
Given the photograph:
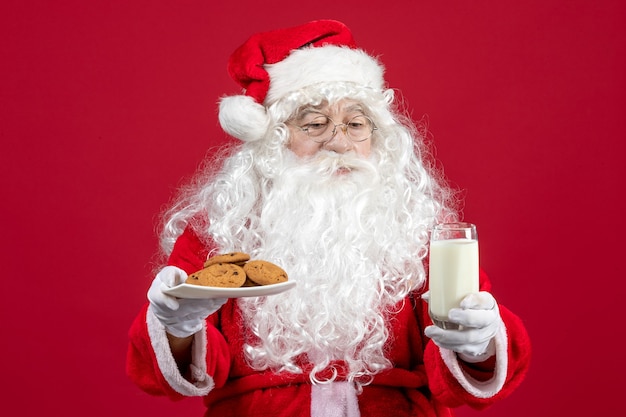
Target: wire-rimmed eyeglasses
357 129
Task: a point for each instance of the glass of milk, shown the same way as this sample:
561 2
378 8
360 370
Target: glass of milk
453 269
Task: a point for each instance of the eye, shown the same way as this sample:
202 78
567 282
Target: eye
358 123
320 123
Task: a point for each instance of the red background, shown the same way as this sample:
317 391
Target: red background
107 105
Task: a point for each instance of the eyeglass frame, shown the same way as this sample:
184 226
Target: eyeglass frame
344 128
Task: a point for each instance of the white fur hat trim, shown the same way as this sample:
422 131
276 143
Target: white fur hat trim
308 66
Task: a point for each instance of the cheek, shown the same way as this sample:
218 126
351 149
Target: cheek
303 148
363 149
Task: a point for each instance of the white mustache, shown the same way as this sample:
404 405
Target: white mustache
326 163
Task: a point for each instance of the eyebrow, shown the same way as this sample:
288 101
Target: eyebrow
354 108
305 111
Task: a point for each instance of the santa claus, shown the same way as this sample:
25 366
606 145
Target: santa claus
333 184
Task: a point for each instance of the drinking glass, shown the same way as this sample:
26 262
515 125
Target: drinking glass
453 269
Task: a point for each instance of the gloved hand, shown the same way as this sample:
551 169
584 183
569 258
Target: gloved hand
180 317
480 317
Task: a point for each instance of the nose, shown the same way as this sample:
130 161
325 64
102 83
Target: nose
339 142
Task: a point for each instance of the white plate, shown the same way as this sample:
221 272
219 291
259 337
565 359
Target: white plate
199 291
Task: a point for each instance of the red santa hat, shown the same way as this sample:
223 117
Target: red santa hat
272 64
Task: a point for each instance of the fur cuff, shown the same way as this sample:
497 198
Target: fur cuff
201 383
481 389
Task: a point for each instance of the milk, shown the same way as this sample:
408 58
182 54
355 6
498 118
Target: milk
453 273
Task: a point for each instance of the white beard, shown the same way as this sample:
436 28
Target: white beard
339 236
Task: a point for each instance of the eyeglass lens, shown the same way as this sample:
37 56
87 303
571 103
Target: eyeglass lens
322 128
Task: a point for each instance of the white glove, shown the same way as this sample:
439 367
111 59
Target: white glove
181 317
480 317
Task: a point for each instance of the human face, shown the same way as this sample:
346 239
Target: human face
340 112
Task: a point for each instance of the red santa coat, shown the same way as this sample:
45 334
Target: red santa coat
425 380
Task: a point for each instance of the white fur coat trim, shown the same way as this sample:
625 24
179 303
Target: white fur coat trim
334 399
201 383
481 389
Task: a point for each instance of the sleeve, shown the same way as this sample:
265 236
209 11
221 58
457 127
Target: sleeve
150 363
454 384
152 367
189 252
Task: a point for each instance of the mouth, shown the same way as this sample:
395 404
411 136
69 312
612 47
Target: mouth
343 171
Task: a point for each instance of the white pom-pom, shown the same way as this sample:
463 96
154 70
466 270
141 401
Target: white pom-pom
243 118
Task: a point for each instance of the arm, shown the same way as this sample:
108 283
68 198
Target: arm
188 254
455 382
168 350
151 364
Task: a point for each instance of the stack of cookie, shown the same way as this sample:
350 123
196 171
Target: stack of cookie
234 270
